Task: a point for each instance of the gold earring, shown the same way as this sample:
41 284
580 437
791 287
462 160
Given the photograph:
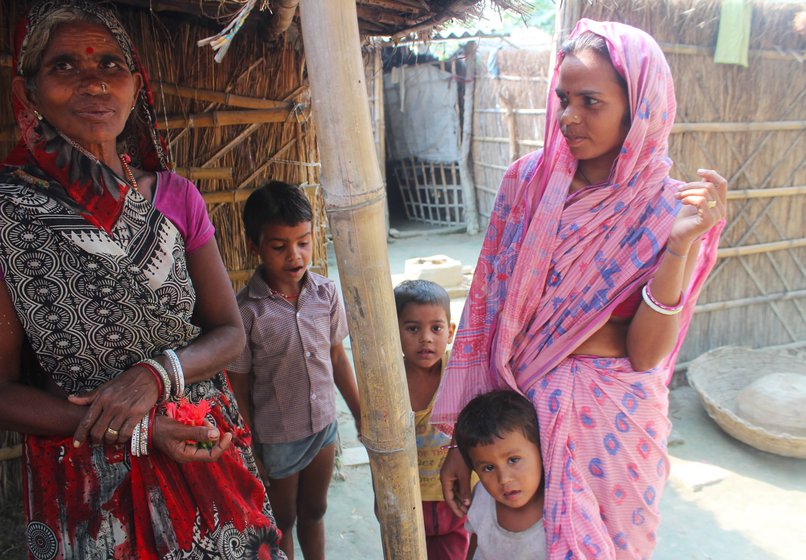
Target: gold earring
38 115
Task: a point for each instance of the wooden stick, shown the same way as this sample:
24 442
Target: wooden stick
284 11
755 126
222 97
709 52
226 118
355 198
240 275
767 193
761 248
465 171
214 173
515 111
13 452
743 302
500 140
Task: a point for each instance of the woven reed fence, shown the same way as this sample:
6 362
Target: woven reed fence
232 126
748 123
509 115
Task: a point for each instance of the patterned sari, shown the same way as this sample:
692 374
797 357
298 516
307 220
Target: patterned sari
551 270
99 279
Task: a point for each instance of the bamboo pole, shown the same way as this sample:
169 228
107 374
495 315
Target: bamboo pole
223 97
465 171
225 118
354 196
752 126
214 173
284 11
760 248
753 300
773 192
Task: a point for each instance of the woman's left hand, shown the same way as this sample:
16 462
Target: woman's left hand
177 440
704 205
116 407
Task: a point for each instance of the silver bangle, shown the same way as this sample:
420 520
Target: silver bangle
135 444
144 435
178 373
655 307
166 379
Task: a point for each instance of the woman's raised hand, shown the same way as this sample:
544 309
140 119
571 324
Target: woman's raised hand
704 205
455 479
178 441
116 407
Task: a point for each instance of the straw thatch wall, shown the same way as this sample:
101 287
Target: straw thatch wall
509 115
748 123
230 144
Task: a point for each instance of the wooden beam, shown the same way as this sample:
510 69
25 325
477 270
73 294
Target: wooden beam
465 169
284 11
744 302
211 173
208 119
13 452
774 192
226 118
745 250
753 126
355 199
792 56
232 196
222 97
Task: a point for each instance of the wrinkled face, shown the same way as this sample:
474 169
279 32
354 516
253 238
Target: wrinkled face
510 468
286 252
84 87
424 333
594 110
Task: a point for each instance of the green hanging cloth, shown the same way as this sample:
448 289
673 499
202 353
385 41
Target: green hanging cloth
733 40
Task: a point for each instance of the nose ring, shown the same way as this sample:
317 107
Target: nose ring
576 119
104 87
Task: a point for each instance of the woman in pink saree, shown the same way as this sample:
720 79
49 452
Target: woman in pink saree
583 292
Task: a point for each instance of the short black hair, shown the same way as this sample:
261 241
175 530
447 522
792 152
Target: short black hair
275 203
421 292
494 415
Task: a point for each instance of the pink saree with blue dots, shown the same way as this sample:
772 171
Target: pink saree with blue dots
551 270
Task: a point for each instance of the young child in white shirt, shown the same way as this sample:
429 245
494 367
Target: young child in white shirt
498 438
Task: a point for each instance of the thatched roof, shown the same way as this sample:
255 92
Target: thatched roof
397 18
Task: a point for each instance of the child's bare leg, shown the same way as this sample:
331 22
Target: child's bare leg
283 498
314 481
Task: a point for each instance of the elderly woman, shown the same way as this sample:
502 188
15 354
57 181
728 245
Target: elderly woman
117 317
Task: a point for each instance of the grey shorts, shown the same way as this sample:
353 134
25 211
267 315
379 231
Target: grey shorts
281 460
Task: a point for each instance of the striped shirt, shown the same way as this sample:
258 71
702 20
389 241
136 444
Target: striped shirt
287 357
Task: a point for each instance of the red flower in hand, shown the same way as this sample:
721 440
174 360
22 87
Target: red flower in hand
191 414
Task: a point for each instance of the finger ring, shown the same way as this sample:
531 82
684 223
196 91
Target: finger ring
112 432
711 203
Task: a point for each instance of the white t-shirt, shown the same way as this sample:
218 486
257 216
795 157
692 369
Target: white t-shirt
493 541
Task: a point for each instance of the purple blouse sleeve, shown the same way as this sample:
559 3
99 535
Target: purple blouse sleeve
182 203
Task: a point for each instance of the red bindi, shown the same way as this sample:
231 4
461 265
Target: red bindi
90 50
